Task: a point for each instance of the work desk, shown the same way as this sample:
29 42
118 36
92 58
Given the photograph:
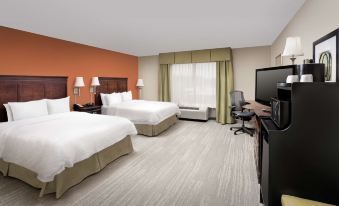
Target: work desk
258 108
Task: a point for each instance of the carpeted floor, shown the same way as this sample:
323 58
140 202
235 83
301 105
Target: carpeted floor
193 163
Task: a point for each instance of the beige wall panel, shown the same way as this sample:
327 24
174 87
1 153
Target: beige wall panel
245 62
149 71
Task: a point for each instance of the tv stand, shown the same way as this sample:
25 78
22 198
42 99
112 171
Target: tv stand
302 160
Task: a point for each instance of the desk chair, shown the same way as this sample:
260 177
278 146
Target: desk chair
237 111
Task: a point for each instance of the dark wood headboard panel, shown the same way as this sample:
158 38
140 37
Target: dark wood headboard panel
28 88
110 85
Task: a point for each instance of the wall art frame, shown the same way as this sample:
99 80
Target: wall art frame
326 51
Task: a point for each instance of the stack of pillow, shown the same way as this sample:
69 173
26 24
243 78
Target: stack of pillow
114 98
25 110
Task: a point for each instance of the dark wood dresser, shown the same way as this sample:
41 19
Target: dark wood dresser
302 159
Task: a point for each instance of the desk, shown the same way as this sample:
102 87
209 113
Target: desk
257 108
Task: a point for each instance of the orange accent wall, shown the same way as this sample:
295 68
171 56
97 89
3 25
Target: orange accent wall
24 53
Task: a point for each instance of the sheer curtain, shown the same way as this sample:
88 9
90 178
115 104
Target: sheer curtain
194 84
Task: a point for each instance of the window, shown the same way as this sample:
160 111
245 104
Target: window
194 84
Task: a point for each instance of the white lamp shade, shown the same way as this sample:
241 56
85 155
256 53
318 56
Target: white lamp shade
95 81
293 47
140 83
79 82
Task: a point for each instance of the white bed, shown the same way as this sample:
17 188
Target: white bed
49 144
142 112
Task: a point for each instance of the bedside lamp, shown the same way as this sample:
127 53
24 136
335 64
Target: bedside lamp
293 48
95 82
140 85
79 82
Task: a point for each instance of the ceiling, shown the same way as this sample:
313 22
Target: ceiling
149 27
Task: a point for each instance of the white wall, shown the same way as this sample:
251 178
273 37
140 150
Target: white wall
245 61
148 71
315 19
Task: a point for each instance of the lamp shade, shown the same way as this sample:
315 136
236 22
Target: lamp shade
140 83
79 82
95 81
293 47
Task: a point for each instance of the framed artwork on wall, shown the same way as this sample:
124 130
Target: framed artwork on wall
325 50
278 60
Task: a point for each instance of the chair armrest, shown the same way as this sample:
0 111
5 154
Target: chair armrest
232 108
243 104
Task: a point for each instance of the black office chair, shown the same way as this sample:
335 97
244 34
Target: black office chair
237 111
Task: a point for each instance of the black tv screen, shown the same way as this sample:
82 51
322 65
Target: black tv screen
266 82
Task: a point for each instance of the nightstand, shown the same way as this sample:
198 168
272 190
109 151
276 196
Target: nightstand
95 109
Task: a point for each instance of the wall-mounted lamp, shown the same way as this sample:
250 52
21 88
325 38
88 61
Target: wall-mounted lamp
140 85
79 82
93 89
293 48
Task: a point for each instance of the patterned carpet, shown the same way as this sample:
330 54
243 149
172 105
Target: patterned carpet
193 163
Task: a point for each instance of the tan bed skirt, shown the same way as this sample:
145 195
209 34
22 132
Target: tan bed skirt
70 176
154 130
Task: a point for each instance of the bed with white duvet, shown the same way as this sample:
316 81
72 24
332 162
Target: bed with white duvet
141 111
150 117
47 145
57 151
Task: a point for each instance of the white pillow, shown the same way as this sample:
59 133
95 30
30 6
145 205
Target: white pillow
113 98
26 110
103 99
126 96
55 106
9 113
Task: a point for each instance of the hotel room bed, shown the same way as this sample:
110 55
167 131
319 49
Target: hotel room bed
150 117
56 152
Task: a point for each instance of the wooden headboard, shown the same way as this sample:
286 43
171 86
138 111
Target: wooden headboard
28 88
110 85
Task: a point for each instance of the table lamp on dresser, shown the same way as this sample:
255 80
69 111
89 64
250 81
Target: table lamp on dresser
293 48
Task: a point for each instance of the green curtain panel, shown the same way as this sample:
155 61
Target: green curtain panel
164 83
224 86
223 57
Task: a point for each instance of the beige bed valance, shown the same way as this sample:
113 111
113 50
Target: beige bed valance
185 57
201 56
166 58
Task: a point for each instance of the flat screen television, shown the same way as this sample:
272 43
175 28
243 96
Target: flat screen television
266 82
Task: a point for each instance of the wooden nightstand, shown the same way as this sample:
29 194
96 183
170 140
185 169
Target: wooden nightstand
95 109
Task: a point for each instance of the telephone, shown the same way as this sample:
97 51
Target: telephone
77 106
89 104
80 106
